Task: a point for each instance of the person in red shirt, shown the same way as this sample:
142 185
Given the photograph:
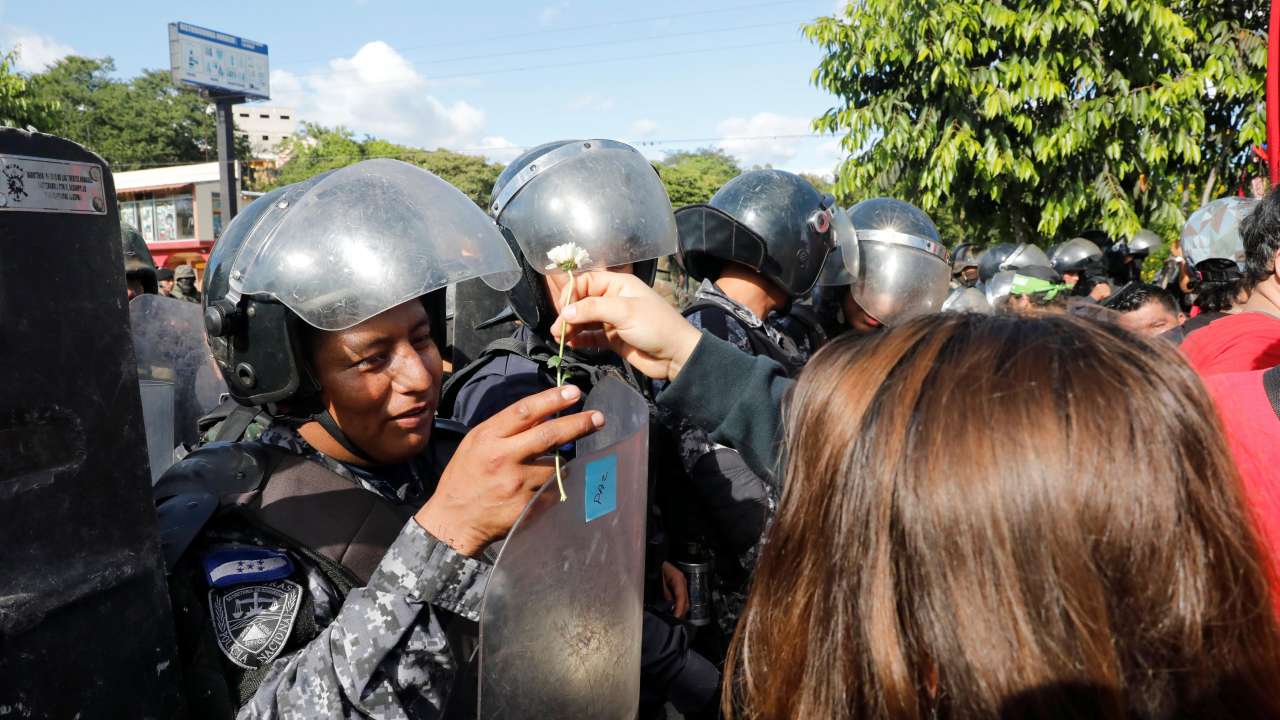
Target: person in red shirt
1249 405
1248 340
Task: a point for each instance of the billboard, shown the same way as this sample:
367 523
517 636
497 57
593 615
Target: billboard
220 63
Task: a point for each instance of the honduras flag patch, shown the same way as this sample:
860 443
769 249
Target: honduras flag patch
239 565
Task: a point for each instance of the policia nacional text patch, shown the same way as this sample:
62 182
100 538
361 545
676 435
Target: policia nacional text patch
253 622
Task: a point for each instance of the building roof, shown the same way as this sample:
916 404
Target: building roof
164 177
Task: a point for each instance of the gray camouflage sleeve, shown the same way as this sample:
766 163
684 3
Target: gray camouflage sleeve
385 655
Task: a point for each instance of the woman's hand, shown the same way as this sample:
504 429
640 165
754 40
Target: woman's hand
498 468
623 314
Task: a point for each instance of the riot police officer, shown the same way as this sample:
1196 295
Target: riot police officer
1125 257
756 246
548 199
964 265
139 267
901 269
1076 258
334 566
184 284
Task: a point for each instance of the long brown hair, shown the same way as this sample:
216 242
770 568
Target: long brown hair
994 516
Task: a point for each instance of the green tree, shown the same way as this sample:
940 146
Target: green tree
316 149
19 106
1031 120
694 176
142 122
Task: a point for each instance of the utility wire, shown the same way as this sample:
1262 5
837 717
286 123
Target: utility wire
574 63
575 28
579 46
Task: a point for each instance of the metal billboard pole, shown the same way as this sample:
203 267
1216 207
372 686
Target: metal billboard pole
227 184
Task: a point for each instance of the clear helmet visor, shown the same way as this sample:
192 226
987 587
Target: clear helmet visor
967 299
898 280
893 260
997 289
840 267
364 239
596 203
1027 255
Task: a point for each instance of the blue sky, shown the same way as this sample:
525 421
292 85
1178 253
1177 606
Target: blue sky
493 77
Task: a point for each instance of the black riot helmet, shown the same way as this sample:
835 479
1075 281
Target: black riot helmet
771 221
964 256
990 261
138 263
1075 255
601 197
327 254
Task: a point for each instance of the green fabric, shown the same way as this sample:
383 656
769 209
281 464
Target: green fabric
736 398
1027 285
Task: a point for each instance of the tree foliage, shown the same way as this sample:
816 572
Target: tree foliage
694 176
316 149
1031 120
145 121
18 106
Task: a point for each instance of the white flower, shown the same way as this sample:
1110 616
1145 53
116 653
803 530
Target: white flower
568 257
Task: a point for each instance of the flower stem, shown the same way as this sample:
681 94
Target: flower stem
559 382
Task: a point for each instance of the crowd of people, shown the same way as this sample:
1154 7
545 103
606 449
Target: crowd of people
887 479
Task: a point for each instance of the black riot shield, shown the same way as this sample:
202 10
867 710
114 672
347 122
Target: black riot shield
180 382
561 617
475 302
85 627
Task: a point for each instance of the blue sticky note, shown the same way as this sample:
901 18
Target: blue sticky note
601 496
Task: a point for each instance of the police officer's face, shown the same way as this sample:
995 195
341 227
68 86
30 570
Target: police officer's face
858 319
381 381
1070 278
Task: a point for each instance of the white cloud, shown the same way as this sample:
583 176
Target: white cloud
499 149
764 138
591 103
551 13
643 128
782 141
377 91
36 52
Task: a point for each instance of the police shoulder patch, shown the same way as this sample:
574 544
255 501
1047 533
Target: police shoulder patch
253 622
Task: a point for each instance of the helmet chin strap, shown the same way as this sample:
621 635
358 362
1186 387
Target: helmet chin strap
331 426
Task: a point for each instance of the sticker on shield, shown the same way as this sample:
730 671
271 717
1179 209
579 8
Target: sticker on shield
58 186
253 622
601 495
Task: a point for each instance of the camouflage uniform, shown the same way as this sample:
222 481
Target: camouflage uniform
384 649
184 272
728 590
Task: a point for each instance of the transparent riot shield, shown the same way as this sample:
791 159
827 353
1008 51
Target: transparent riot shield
560 622
168 338
85 625
474 303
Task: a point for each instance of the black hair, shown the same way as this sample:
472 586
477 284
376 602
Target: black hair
1260 231
1218 283
1134 296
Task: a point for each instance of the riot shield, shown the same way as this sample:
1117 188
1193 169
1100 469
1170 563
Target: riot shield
475 302
560 622
85 626
168 338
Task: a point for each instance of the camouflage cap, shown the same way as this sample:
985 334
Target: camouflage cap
184 271
1213 231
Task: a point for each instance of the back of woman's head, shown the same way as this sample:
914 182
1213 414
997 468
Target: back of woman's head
994 516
